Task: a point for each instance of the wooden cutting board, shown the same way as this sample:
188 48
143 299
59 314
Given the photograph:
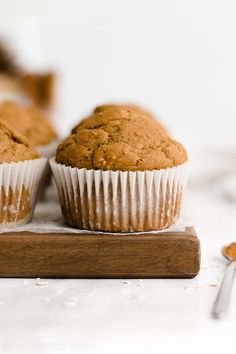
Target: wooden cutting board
70 255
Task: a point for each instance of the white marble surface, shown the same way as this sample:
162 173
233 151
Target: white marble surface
124 316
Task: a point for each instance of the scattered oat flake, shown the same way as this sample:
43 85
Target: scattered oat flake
47 299
40 282
189 289
214 265
71 301
140 283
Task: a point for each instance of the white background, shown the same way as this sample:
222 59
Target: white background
178 58
175 57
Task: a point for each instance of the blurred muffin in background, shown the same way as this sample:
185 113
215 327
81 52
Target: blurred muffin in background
19 85
40 87
10 78
120 108
30 121
42 131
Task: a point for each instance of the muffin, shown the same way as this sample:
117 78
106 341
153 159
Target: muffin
11 90
20 86
121 173
10 82
21 170
119 108
30 122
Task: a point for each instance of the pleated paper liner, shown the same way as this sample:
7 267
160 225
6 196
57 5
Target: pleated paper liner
20 182
120 201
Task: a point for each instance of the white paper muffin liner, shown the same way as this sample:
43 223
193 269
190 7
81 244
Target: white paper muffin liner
19 183
120 201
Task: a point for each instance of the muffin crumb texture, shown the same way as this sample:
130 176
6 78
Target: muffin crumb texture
13 146
120 139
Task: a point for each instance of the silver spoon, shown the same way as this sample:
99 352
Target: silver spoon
223 297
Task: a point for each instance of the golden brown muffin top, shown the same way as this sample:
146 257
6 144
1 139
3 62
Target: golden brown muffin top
135 108
120 140
28 121
116 108
13 146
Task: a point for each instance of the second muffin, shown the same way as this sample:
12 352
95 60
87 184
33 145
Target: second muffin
32 124
120 172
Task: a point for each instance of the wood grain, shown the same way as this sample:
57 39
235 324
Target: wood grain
163 255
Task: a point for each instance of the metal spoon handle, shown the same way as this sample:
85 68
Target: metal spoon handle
223 297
